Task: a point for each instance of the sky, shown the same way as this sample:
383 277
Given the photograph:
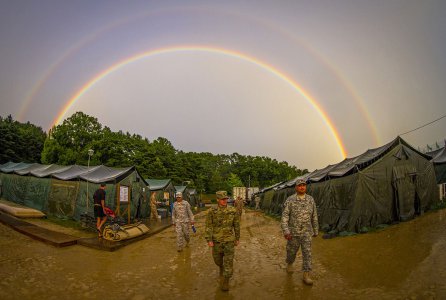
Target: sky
307 82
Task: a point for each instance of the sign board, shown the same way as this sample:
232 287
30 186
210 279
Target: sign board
124 193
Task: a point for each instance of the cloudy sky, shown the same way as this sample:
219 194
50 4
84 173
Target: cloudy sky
307 82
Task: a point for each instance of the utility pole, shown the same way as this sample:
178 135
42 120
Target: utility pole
249 186
90 154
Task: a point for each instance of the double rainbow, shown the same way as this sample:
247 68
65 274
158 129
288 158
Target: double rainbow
220 51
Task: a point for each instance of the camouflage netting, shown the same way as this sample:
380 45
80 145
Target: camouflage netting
62 191
29 191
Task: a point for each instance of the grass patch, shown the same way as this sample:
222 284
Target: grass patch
68 223
438 205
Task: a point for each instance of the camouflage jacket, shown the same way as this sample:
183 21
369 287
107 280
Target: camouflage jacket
222 225
238 204
181 212
299 217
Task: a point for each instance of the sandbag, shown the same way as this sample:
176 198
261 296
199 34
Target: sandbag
115 232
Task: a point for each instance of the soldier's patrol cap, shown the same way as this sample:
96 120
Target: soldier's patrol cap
301 181
178 194
222 195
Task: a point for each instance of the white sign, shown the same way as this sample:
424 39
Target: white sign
124 193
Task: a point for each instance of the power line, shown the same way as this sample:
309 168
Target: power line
424 125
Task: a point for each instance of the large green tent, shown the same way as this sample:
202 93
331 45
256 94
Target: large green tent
391 183
266 197
67 191
165 195
190 195
194 199
439 161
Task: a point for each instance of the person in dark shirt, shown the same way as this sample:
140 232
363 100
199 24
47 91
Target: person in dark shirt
99 208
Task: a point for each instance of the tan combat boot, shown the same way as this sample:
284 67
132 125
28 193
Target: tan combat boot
289 268
307 279
225 284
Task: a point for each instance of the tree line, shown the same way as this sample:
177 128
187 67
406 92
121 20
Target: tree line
69 142
20 142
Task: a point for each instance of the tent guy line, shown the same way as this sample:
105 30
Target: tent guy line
431 122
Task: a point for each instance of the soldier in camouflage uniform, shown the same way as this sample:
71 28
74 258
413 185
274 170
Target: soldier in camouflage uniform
299 225
181 217
153 211
238 204
222 234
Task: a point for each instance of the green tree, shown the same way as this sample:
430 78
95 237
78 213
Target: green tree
233 181
71 140
20 142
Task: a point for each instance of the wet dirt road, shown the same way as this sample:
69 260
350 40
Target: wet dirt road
406 261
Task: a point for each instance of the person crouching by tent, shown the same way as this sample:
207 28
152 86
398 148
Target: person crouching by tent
99 208
181 217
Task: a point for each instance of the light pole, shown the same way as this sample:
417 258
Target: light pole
90 154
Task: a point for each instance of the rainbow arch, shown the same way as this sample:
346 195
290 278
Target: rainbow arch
221 51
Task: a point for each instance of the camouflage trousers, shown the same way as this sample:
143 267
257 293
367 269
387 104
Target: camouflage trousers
223 254
292 247
182 230
153 212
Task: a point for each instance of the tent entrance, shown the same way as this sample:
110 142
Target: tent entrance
62 198
406 202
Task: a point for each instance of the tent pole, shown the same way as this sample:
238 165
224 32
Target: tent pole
118 208
129 204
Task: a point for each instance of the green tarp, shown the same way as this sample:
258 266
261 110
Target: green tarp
67 191
388 184
439 161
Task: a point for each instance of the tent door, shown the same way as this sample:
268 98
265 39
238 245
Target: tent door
406 202
62 198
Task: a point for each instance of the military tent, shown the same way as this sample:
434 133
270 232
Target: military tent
67 191
165 195
266 197
281 192
186 192
390 183
439 161
194 199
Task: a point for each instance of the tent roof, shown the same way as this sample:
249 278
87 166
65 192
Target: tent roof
48 170
440 156
157 184
180 188
39 170
434 153
72 172
10 167
95 174
192 191
351 164
359 162
271 187
106 174
28 169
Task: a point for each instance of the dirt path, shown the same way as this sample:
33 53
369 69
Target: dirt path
406 261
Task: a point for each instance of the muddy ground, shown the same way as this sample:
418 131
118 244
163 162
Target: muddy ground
404 261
